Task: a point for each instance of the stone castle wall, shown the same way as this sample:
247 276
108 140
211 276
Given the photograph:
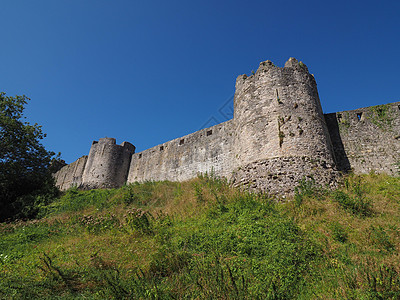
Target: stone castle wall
281 131
71 175
367 139
107 164
207 150
106 167
278 114
278 135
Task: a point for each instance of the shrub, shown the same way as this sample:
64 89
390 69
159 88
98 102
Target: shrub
167 261
305 188
25 179
198 192
383 282
75 200
216 278
139 193
250 229
356 205
339 232
97 224
139 220
380 238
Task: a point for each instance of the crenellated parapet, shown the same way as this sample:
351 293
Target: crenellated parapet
279 119
278 136
278 114
106 166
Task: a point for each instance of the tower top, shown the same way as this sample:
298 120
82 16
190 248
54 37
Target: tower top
267 66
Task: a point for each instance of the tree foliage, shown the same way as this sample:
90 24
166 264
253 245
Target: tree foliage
25 180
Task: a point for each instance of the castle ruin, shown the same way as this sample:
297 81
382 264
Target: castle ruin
278 136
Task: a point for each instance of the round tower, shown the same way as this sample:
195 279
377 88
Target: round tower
108 164
280 127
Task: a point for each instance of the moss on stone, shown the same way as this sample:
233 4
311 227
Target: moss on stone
381 116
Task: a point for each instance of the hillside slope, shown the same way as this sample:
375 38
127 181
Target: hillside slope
202 239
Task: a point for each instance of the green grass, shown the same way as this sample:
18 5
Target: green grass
202 239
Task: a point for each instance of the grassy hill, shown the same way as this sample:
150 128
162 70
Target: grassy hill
202 239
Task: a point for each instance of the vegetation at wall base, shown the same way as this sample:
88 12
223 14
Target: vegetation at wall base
202 239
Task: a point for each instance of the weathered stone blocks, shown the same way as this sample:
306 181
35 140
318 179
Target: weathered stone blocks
207 150
278 136
108 164
106 167
71 175
367 139
280 175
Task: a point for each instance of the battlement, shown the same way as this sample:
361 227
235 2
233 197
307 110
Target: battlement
108 141
278 135
112 141
128 146
268 66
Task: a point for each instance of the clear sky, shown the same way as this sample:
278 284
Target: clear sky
150 71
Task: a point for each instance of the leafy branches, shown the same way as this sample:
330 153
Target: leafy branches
24 161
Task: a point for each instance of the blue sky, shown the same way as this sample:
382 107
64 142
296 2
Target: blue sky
150 71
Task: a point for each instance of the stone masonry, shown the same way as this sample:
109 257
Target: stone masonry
278 136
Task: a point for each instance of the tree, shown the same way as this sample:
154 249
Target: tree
24 176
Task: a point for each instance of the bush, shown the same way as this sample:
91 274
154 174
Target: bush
356 205
98 224
383 282
380 238
75 200
278 256
25 179
306 188
167 261
139 220
139 194
339 232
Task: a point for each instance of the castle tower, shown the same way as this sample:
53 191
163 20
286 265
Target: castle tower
107 164
280 128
